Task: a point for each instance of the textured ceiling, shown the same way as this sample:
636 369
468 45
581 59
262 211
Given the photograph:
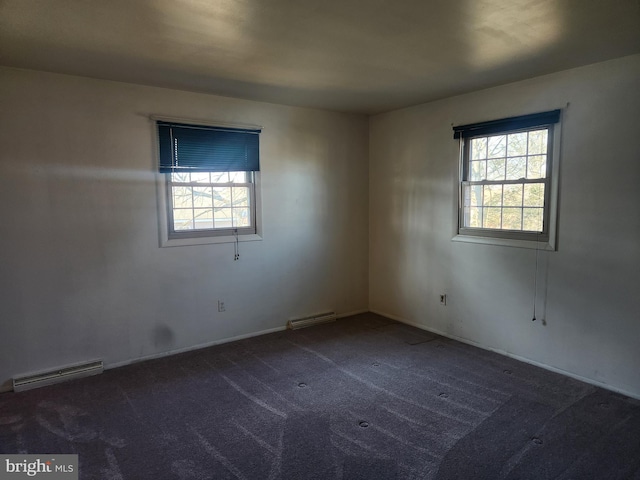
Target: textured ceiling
364 56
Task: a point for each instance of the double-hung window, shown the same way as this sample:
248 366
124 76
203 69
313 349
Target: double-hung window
508 180
210 181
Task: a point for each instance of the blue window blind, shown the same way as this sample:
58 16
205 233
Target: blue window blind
192 148
506 124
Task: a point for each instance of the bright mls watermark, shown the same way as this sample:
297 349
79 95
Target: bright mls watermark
51 467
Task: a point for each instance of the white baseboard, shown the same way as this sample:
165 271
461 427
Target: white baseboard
193 347
108 366
511 355
212 343
350 314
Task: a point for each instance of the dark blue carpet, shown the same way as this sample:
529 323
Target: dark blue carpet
364 398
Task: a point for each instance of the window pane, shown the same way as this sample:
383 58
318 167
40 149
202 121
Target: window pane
478 171
537 167
180 225
203 218
538 142
182 197
181 177
492 195
241 217
221 196
200 177
474 217
240 196
497 146
182 219
495 169
534 195
222 218
202 197
517 144
238 177
512 196
219 177
532 219
473 195
476 195
516 168
479 148
511 218
492 217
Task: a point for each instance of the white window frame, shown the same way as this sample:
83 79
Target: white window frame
168 238
534 240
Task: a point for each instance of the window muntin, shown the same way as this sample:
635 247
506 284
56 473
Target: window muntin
506 183
210 203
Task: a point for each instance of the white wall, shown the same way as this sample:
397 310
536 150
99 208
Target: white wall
589 290
82 274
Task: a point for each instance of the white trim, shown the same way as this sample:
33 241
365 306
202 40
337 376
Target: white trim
214 342
350 314
163 222
109 366
512 355
551 244
193 347
555 182
503 242
184 242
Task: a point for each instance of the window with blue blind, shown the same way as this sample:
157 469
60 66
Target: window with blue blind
210 179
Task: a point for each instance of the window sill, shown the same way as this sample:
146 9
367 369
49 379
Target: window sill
185 242
505 242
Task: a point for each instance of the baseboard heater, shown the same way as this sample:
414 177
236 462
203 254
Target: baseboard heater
310 321
58 375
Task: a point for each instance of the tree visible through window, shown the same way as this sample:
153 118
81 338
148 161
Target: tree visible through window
506 182
211 200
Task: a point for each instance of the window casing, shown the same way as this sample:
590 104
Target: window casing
508 181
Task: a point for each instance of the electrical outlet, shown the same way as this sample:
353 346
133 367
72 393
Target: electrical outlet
443 299
221 307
